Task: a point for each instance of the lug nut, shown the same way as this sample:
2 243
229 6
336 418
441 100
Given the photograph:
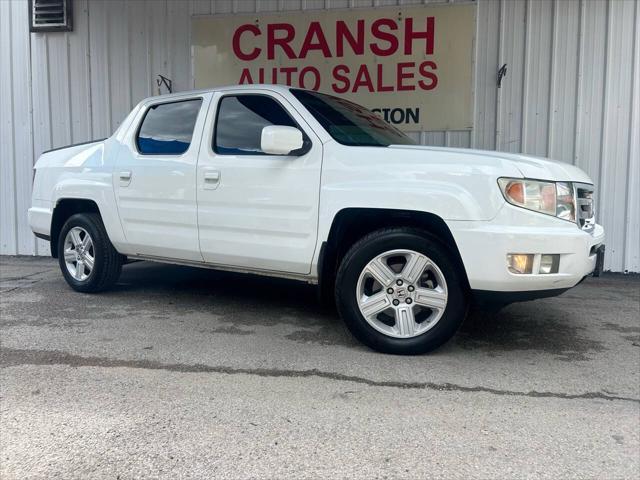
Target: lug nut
390 291
408 301
396 302
411 288
398 282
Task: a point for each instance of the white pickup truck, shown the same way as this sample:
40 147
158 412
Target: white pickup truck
293 183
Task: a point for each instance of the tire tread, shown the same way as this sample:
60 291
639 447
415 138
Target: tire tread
426 342
110 265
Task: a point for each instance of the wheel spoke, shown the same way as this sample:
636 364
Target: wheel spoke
431 298
414 267
88 261
86 242
79 270
405 321
69 255
381 272
75 237
371 306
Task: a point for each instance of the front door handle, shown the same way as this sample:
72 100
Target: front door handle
211 179
125 178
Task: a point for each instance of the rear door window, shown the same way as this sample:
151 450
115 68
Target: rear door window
167 128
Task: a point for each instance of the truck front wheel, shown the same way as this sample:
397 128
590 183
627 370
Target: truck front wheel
399 291
87 258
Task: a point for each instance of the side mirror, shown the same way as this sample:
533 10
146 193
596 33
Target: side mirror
280 140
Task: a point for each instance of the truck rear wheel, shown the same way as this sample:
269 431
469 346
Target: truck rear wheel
88 261
400 291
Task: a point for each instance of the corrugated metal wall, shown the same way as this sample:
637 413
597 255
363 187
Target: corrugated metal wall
571 91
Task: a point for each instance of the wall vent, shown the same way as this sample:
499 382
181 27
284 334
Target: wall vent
51 15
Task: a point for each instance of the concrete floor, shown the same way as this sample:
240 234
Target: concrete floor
181 372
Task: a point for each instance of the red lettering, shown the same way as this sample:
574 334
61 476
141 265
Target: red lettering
380 34
343 33
245 77
304 72
282 42
431 76
427 35
315 30
262 75
363 79
401 75
340 73
288 71
236 42
380 84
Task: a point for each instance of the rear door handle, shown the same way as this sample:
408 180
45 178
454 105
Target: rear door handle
125 178
211 179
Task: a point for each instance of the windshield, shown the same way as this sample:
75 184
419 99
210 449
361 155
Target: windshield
349 123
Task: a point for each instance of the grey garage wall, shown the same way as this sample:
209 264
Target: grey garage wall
571 91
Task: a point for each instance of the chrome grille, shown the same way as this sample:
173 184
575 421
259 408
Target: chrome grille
585 210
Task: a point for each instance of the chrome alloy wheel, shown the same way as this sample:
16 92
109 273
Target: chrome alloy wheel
79 254
401 293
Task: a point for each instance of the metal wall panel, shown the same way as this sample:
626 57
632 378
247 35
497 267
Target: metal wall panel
487 63
564 74
537 76
41 115
8 210
571 91
632 218
22 133
617 131
99 68
591 75
511 94
16 136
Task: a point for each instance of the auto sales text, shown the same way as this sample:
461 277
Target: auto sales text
387 37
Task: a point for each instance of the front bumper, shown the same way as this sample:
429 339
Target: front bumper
484 246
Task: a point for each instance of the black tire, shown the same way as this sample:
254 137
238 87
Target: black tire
107 261
376 243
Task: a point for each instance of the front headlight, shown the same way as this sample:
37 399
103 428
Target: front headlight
551 198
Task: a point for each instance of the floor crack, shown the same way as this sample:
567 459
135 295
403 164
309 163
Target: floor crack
15 357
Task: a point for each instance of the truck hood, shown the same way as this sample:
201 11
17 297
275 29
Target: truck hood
529 166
